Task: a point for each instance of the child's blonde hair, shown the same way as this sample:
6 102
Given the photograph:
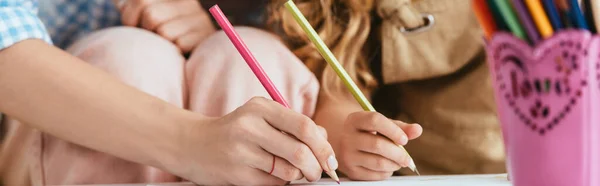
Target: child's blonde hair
344 25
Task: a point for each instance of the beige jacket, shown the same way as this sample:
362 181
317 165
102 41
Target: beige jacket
437 76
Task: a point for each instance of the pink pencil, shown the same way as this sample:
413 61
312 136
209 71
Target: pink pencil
247 55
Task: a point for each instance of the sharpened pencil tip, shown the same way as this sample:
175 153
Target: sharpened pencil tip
334 176
413 167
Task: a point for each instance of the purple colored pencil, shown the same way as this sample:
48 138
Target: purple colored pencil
526 21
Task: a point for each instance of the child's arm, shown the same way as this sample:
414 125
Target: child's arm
362 155
331 115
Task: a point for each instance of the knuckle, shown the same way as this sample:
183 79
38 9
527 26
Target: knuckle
306 128
301 155
256 103
151 16
374 118
290 173
380 164
378 145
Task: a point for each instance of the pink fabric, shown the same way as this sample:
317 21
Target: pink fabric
214 81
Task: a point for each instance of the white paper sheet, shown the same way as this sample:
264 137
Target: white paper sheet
461 180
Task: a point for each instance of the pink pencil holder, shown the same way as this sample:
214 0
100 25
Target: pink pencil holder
548 104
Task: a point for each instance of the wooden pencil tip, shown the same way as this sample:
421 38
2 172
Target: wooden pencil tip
334 176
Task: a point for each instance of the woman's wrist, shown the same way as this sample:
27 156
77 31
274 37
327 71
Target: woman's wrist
174 155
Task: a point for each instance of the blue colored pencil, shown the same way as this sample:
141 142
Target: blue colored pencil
578 18
553 14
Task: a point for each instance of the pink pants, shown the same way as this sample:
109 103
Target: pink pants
214 81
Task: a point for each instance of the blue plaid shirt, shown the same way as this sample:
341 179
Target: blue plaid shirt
59 22
19 21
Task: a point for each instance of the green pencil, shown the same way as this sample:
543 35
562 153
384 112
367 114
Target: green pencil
510 17
337 67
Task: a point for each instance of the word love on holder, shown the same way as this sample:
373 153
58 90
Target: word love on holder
548 100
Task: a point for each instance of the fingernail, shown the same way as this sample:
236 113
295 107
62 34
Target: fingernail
403 140
332 163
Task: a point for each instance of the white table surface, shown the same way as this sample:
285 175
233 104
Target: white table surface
459 180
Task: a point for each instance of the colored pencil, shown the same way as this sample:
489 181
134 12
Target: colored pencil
484 16
500 23
539 16
577 14
553 14
586 6
526 20
565 13
511 19
337 67
252 62
247 55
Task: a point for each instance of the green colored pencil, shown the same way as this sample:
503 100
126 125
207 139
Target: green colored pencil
333 62
510 17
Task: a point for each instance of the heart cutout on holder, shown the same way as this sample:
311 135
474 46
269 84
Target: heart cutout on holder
541 85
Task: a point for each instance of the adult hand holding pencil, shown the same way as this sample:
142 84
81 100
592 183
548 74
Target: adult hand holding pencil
307 133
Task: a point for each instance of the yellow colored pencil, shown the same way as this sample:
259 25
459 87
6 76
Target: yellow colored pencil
540 18
337 67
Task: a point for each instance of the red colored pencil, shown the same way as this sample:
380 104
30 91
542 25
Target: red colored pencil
484 16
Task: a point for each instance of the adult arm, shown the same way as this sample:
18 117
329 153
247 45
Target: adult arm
57 93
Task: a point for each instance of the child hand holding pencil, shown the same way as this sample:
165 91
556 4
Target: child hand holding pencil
370 145
362 155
